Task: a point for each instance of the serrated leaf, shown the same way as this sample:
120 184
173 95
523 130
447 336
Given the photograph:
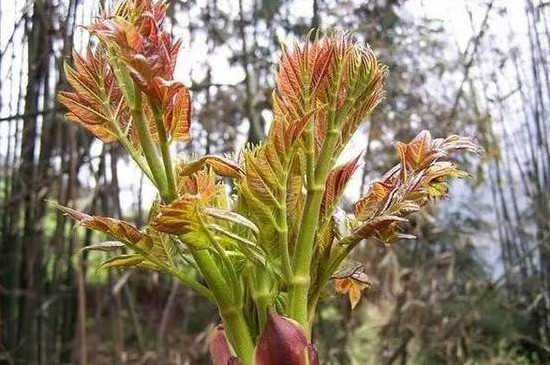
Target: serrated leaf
176 217
421 174
176 103
95 98
377 225
121 230
336 183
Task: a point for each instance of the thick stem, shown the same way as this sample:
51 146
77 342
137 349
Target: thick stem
301 281
299 288
230 309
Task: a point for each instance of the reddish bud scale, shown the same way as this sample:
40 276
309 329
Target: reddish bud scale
220 352
284 342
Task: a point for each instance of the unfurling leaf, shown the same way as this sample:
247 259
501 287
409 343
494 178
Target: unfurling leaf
336 183
135 56
185 216
421 174
248 248
134 30
231 217
177 217
335 72
96 101
176 107
122 231
221 166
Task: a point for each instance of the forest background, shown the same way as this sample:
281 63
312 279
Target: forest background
473 288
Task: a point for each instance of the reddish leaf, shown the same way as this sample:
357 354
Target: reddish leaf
336 183
420 175
122 231
221 166
94 103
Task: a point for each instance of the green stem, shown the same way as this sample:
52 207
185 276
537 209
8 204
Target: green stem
230 307
165 152
341 250
235 284
328 268
300 282
230 310
134 99
123 138
136 157
148 147
316 176
283 233
261 296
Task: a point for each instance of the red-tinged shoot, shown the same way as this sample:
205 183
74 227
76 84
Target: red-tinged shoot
135 58
284 342
279 237
220 350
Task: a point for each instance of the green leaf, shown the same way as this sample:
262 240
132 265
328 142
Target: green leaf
252 251
106 246
231 217
123 261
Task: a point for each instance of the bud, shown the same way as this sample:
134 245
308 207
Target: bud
313 355
284 342
220 352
